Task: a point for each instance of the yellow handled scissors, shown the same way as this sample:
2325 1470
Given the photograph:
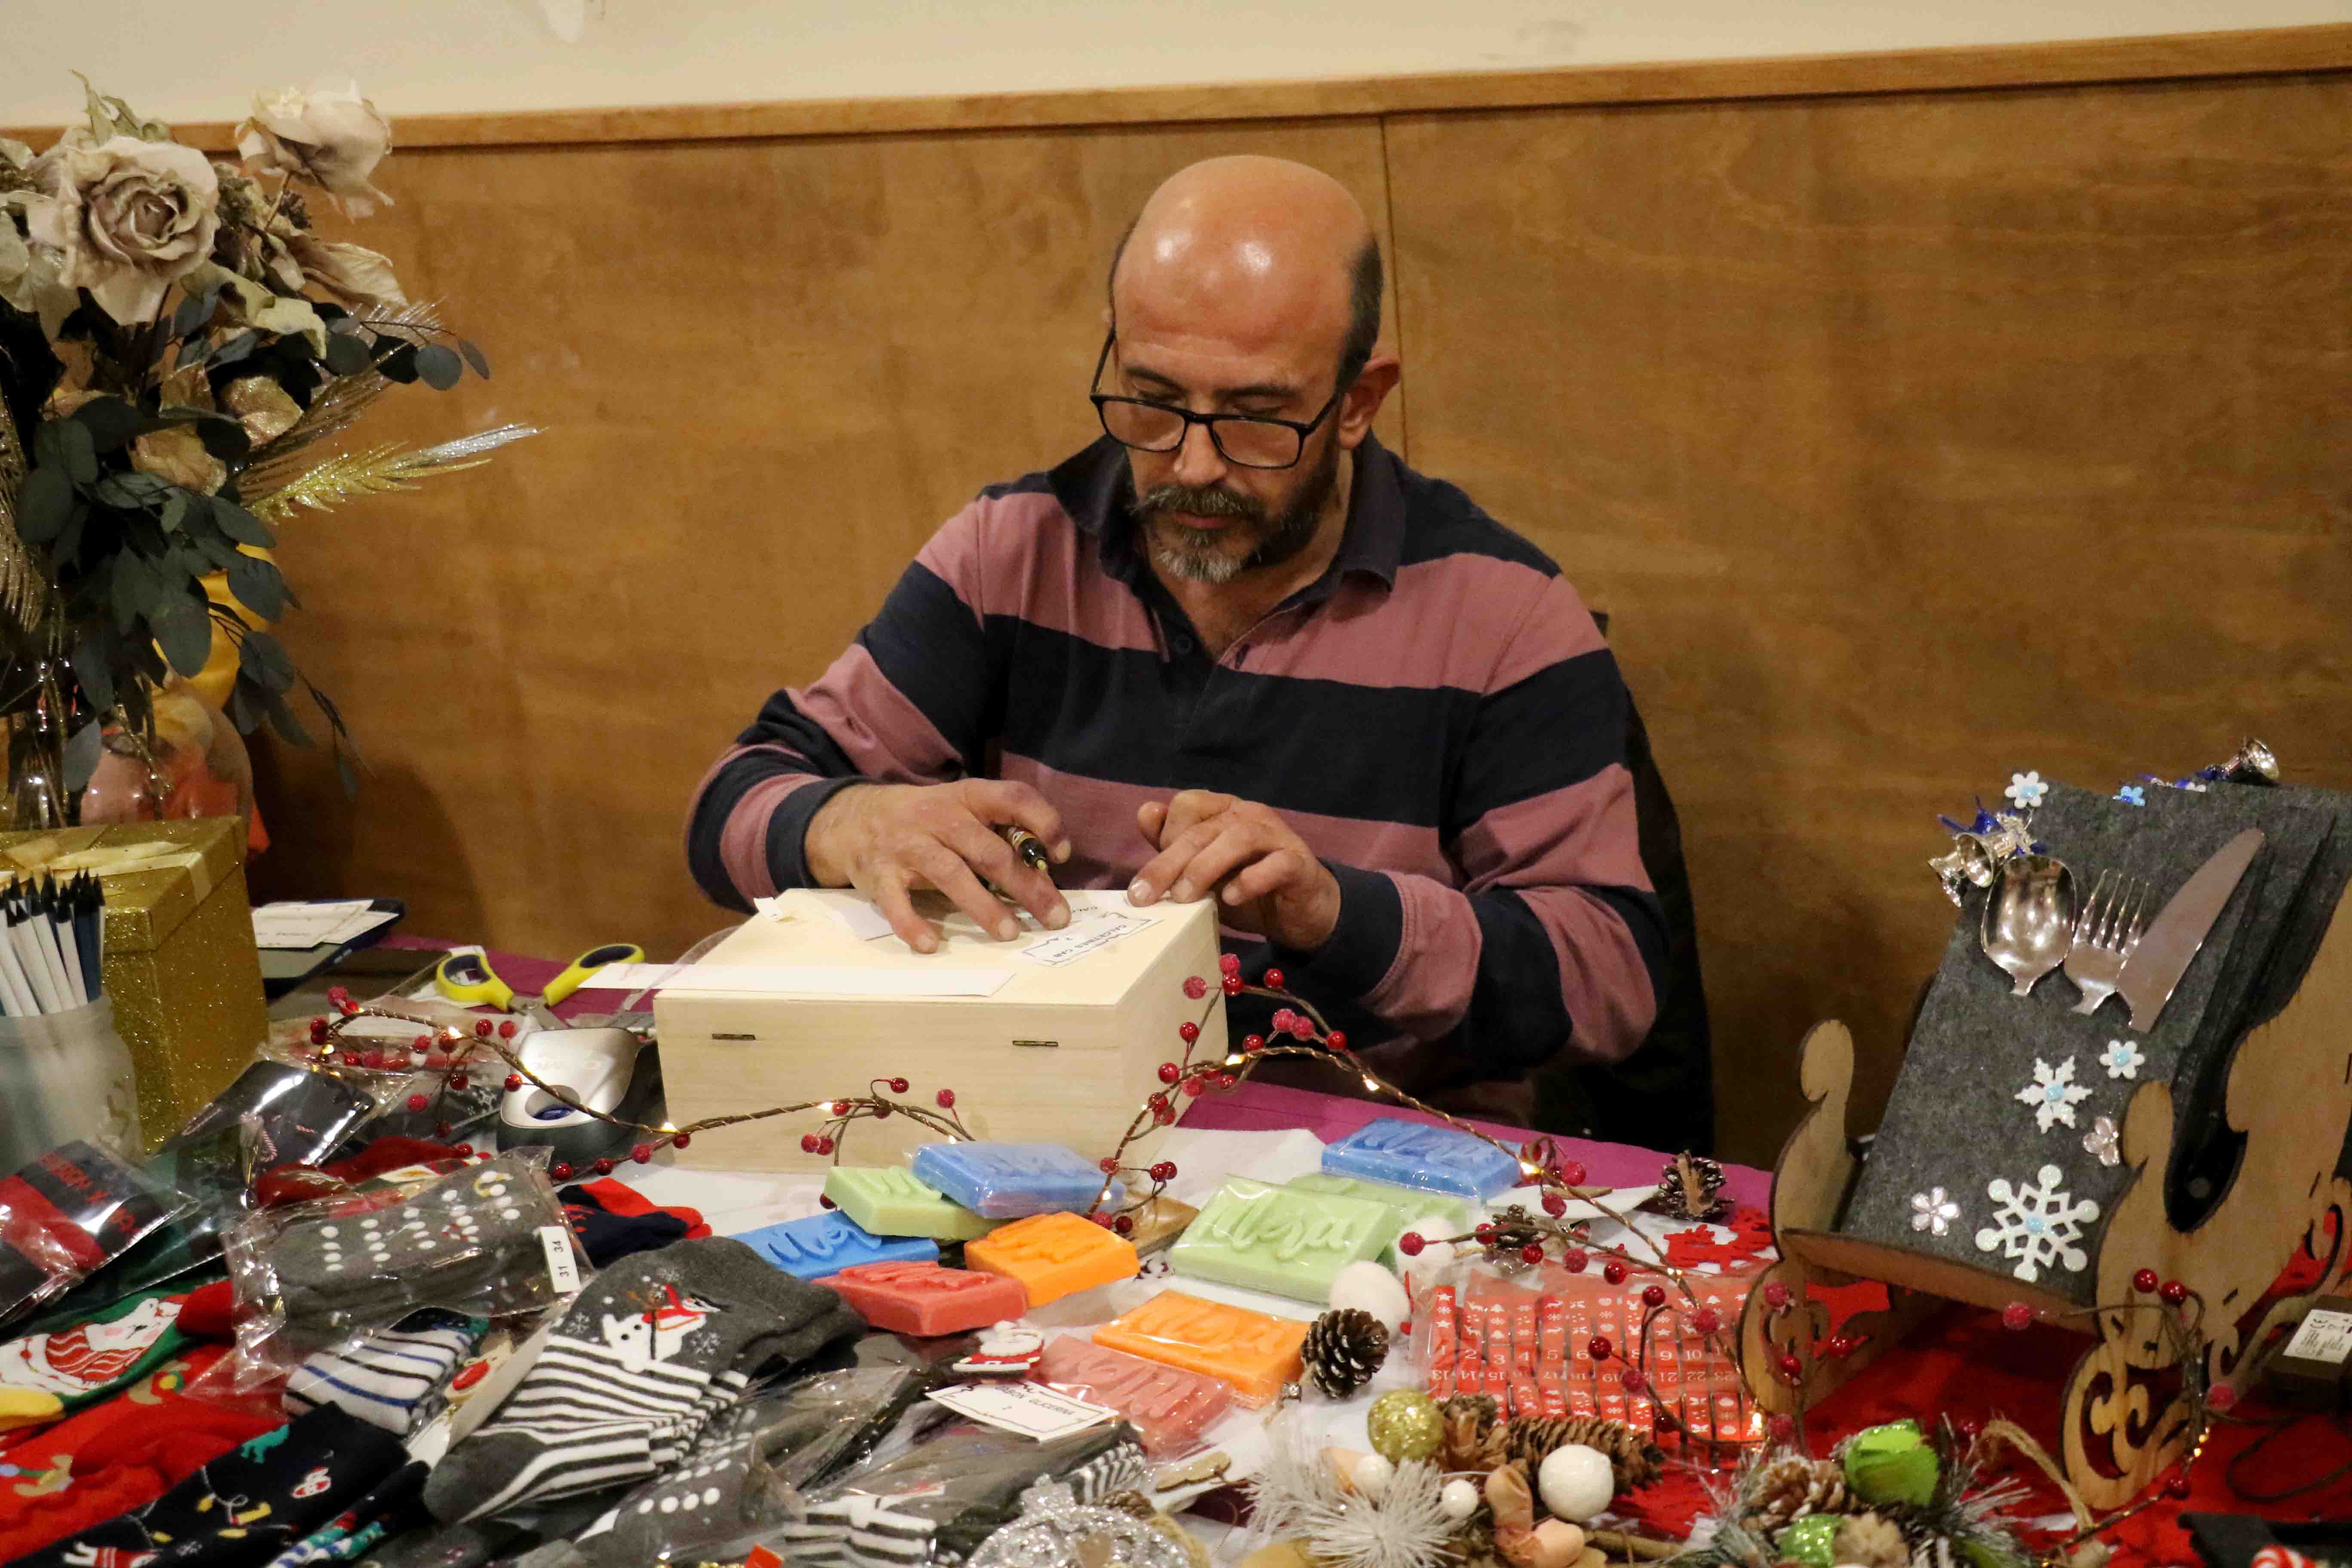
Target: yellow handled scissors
467 977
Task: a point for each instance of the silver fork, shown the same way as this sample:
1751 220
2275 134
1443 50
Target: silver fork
2109 930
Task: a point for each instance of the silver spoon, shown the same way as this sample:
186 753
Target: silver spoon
2029 918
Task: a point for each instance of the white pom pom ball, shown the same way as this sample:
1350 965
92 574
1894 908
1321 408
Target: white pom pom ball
1371 1476
1459 1500
1437 1254
1366 1287
1576 1482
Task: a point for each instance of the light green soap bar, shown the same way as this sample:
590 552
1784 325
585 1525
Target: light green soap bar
1408 1203
1280 1239
886 1200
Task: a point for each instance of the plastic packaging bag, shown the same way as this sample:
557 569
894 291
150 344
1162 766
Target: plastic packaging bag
485 1241
1169 1407
66 1214
937 1502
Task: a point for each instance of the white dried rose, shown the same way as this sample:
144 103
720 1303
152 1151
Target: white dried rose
329 135
125 218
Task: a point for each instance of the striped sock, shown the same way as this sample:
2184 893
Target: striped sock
387 1379
651 1350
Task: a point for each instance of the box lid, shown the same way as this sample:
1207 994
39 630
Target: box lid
807 931
155 874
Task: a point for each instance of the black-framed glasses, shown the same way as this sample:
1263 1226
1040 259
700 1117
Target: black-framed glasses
1246 440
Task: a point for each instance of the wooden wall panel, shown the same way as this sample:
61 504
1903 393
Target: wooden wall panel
1910 441
767 371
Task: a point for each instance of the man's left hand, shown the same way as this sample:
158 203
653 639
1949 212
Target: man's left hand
1269 880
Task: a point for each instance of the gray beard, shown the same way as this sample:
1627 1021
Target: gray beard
1197 554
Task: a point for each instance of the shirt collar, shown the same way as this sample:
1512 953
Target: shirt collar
1094 487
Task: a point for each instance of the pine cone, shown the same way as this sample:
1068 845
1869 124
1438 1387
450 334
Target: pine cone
1870 1541
1790 1487
1343 1349
1630 1455
1474 1437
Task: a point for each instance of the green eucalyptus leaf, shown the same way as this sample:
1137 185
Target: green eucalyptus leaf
399 366
343 771
245 705
223 437
176 508
257 586
236 348
475 357
241 525
346 354
93 667
76 448
131 492
438 366
44 501
185 633
81 756
263 657
283 719
109 422
67 548
132 590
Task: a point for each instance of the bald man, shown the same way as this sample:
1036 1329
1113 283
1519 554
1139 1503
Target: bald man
1237 650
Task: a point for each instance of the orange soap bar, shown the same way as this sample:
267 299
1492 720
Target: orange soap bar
1053 1255
1255 1353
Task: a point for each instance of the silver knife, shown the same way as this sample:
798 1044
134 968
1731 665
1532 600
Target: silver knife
2173 938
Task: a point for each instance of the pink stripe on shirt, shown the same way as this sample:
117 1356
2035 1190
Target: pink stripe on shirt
883 733
1570 835
1481 614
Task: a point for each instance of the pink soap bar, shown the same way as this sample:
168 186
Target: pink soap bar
1168 1406
925 1300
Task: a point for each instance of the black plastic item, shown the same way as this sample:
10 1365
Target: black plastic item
2235 1539
283 969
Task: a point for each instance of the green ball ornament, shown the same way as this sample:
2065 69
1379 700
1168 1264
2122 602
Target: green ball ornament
1812 1541
1405 1425
1892 1464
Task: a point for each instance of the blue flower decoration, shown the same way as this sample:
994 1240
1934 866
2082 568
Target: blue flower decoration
2132 794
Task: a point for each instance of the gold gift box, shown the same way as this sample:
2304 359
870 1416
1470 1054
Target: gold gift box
180 959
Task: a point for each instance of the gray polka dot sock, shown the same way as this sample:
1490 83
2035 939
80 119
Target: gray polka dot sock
450 1244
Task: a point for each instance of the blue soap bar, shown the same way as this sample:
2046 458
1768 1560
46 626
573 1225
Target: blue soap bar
1415 1154
1010 1181
826 1244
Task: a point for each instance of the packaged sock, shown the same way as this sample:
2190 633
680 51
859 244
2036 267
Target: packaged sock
116 1455
78 1366
390 1509
650 1350
614 1221
251 1503
393 1378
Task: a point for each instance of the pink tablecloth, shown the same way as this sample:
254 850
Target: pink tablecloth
1252 1108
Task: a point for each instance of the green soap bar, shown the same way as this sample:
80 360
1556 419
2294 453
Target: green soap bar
1279 1239
1408 1203
886 1200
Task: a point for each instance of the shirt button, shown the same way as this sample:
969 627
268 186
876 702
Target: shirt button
1181 643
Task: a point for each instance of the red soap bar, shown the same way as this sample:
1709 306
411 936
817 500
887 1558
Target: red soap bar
927 1301
1168 1406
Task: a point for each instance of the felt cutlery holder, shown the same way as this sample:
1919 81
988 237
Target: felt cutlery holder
1998 1150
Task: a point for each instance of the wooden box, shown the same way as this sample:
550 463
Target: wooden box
1063 1054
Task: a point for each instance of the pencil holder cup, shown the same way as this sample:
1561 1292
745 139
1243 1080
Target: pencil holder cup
66 1076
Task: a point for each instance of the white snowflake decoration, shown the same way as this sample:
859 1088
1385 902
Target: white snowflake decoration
2105 1140
2053 1093
2122 1058
2037 1226
1934 1211
2026 790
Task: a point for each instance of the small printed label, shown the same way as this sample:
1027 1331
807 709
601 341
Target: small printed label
1090 930
1031 1409
2324 1336
562 1268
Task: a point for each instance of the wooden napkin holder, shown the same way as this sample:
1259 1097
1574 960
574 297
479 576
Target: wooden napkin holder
1064 1054
2126 1421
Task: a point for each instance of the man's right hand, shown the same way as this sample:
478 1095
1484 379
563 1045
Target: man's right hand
887 839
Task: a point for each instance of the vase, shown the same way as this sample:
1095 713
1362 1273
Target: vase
36 797
196 765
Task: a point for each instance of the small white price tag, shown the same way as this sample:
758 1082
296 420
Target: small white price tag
1031 1409
2324 1336
562 1268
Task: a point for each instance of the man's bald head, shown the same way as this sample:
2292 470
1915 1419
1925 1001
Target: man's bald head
1260 247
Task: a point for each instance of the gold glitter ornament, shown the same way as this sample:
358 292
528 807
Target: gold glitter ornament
1405 1425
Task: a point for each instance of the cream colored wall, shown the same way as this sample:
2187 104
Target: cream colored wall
181 61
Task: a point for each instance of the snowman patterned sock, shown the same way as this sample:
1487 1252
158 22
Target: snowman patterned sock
390 1378
449 1242
650 1350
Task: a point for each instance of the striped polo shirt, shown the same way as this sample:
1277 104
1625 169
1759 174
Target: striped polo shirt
1437 716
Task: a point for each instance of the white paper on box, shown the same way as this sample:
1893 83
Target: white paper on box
298 925
2322 1336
